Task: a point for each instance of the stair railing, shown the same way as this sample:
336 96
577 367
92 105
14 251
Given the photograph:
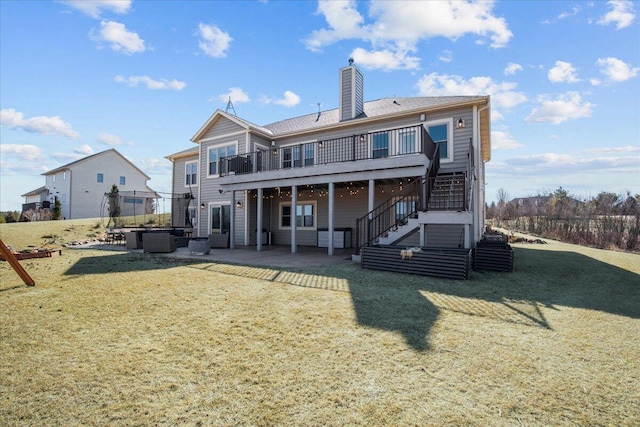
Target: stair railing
415 197
385 216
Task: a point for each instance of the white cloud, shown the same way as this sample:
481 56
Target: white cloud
154 166
94 8
595 82
43 125
563 72
617 70
621 14
446 56
385 60
120 39
84 150
213 41
574 11
623 149
502 94
571 163
289 99
236 95
23 152
162 84
503 140
344 23
109 139
395 28
512 68
565 107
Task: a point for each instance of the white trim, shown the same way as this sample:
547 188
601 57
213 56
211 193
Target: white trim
294 216
185 174
449 123
226 135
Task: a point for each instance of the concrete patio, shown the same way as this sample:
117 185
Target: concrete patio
270 256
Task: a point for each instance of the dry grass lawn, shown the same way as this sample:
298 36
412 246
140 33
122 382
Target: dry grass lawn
116 338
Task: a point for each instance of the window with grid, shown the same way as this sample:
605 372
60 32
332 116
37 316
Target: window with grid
191 174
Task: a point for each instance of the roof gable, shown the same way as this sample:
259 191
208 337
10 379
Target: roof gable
218 115
71 165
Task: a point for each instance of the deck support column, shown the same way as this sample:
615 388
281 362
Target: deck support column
259 203
467 236
423 235
372 195
294 218
232 222
331 211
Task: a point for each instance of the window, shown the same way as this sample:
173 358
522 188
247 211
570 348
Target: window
136 200
123 180
380 145
53 178
407 141
220 219
100 177
305 215
292 155
64 175
440 133
191 174
309 154
216 154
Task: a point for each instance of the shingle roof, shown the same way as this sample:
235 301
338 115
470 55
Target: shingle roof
372 109
184 153
35 192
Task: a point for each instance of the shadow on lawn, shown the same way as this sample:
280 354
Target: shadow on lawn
410 305
122 263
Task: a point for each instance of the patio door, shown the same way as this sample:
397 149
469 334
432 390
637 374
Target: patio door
220 219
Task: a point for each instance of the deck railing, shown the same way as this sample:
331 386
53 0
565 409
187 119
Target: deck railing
373 145
36 205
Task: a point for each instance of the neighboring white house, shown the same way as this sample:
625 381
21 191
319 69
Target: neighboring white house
81 188
391 171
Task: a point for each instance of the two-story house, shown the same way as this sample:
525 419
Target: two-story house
81 187
389 171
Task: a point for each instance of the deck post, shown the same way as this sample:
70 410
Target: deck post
294 218
331 209
259 241
232 222
467 237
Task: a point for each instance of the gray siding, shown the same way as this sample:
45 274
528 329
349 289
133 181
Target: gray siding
346 100
460 138
444 235
223 126
178 202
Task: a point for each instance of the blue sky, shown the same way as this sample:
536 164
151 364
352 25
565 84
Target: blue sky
80 77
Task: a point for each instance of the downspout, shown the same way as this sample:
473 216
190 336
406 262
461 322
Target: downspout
200 175
480 209
70 195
